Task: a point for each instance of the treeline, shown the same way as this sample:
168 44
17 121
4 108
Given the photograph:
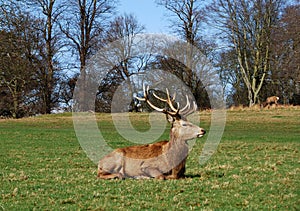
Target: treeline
45 46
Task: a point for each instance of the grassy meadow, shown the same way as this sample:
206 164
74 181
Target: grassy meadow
256 167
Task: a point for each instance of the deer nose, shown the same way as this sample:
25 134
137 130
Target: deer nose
203 131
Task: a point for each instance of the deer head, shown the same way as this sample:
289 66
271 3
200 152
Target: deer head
181 128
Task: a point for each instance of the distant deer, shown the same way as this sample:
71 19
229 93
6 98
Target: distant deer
270 101
161 160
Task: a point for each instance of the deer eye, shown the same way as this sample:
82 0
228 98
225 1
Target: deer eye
184 124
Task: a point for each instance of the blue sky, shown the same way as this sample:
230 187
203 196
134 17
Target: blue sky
147 13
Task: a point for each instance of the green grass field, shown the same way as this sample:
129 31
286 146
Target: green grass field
256 167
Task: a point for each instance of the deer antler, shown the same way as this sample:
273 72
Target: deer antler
185 111
169 101
146 99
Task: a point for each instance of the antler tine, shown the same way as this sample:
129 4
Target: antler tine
187 110
187 106
165 100
174 96
159 98
174 111
193 110
144 92
169 101
146 99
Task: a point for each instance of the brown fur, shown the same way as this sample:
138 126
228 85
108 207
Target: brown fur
270 100
145 151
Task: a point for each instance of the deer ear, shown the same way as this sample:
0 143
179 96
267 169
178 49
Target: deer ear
170 118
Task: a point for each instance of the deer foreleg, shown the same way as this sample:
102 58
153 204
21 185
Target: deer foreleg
106 175
153 173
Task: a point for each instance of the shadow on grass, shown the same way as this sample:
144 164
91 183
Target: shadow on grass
211 174
192 176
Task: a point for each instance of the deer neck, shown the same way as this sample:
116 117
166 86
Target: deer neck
177 148
176 140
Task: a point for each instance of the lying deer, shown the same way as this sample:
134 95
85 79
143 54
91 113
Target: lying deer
161 160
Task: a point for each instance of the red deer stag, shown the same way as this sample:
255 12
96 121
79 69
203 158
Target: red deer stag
161 160
270 101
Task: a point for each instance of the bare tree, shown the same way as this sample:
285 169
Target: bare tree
18 45
123 30
66 89
187 18
285 78
247 26
82 24
51 11
122 37
232 80
13 73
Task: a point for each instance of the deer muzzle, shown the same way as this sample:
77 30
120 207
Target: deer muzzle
202 133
